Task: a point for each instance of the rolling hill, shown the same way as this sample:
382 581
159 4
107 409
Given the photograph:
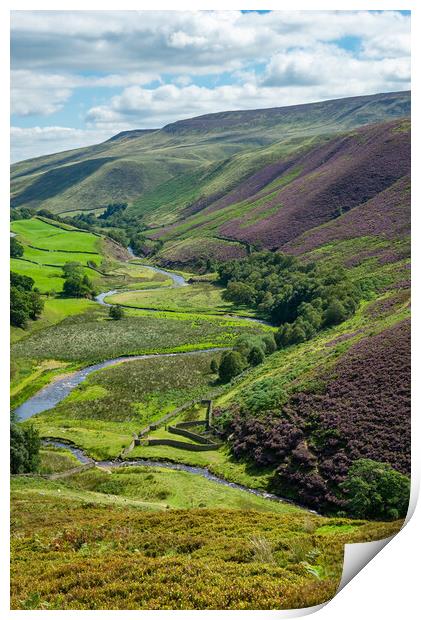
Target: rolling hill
190 160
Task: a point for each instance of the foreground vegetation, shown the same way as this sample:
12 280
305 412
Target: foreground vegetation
75 548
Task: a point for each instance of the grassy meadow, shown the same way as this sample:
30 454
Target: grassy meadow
202 297
49 246
92 336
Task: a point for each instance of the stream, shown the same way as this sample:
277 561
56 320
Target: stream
177 281
56 391
198 471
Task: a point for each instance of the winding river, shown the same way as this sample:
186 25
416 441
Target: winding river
177 281
56 391
84 459
52 394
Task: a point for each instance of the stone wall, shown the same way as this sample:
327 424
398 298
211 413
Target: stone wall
189 435
193 447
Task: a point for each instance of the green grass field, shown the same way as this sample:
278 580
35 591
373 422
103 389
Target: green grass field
203 298
52 237
173 489
56 460
92 336
48 247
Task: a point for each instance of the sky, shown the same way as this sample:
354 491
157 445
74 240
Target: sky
80 77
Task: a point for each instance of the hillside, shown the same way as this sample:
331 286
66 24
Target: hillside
285 199
200 158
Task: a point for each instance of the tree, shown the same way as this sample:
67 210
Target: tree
376 491
238 293
214 366
72 269
298 333
269 343
256 356
116 313
335 313
25 303
76 285
24 448
16 248
232 363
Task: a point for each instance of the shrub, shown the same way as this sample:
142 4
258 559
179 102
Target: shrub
269 343
25 303
16 248
239 293
214 366
78 286
24 449
335 313
72 268
256 356
376 491
116 313
232 364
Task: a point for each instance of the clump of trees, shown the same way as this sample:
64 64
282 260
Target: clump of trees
232 364
376 491
24 448
301 298
76 283
25 301
247 351
113 209
116 313
16 248
21 213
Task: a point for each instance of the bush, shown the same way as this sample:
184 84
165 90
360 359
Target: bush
269 343
76 285
72 269
24 449
116 313
214 366
232 364
256 356
335 313
16 248
376 491
25 303
238 293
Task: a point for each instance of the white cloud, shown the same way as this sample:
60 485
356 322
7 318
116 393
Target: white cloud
33 92
330 66
35 141
279 58
192 42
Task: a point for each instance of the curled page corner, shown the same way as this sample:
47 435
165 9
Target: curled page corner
358 555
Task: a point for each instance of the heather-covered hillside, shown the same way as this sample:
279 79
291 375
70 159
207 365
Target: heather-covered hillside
294 195
316 408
